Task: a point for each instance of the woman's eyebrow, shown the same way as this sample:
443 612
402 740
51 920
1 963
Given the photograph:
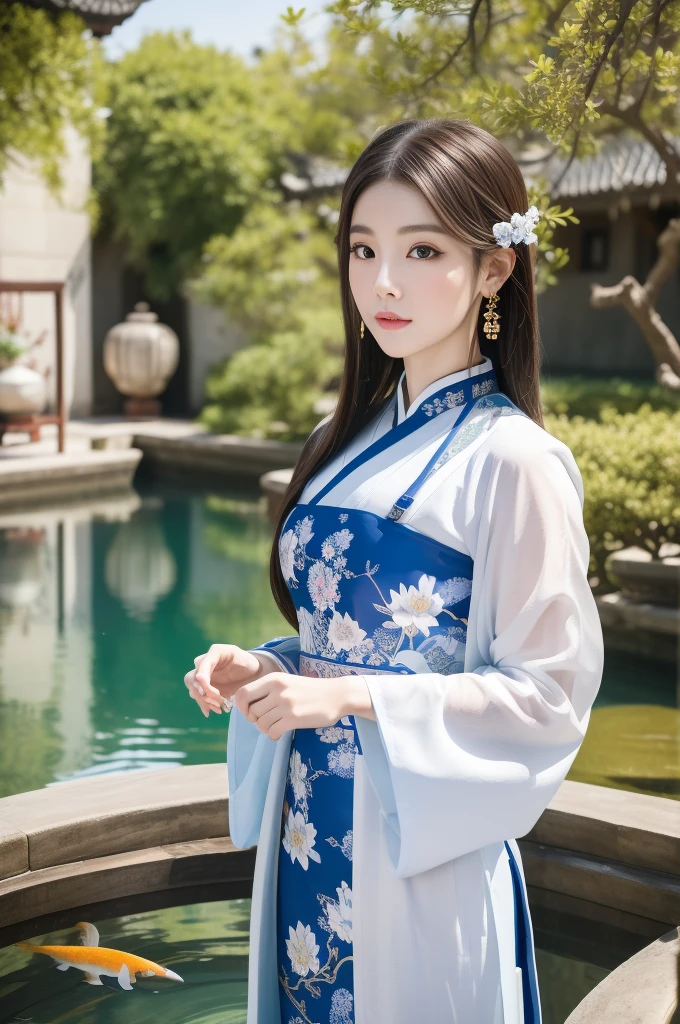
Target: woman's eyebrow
364 230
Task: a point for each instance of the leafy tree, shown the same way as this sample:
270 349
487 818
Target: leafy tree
195 137
49 78
567 73
276 388
226 179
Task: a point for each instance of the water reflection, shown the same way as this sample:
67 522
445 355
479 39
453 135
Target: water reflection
140 568
22 566
103 608
207 944
104 605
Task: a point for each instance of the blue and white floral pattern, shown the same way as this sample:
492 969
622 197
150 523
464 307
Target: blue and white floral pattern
401 616
482 388
314 884
363 606
448 401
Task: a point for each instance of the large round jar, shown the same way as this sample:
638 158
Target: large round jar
140 356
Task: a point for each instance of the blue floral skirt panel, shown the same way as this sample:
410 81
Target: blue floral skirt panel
371 596
315 878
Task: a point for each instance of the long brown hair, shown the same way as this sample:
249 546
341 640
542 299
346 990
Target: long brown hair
471 181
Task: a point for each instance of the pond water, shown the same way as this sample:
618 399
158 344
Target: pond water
103 607
206 944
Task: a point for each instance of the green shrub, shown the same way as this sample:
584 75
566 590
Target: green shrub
630 463
9 350
584 396
271 389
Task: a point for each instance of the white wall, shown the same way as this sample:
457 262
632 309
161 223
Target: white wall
43 237
211 338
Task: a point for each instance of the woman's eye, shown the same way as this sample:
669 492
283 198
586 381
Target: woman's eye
428 249
364 252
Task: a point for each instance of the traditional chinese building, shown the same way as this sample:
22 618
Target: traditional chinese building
623 202
43 238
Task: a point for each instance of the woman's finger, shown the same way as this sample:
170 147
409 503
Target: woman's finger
194 688
191 684
260 707
218 654
196 691
270 718
256 690
277 730
213 696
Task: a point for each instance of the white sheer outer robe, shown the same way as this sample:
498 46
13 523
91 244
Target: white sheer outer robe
454 764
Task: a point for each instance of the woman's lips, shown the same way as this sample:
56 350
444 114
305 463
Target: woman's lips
390 323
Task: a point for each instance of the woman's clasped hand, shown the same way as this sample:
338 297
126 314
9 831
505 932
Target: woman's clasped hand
274 701
218 674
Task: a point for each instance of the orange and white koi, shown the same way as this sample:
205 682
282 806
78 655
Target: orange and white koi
95 960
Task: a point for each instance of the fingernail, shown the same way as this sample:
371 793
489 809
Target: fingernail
199 688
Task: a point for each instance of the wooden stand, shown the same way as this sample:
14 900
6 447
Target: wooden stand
25 423
33 422
142 408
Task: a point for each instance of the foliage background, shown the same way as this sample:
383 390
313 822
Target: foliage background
50 77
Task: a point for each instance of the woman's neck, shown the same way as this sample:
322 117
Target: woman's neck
424 368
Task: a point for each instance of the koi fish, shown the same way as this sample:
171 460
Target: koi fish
95 960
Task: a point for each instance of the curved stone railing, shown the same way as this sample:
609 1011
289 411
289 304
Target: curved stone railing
99 839
643 990
92 840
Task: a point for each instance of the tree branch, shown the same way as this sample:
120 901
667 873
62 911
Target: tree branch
639 300
654 136
469 37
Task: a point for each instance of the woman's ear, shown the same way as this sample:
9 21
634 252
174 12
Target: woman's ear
499 266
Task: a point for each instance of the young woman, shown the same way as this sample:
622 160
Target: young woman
431 554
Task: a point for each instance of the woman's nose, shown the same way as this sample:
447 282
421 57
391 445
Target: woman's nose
385 283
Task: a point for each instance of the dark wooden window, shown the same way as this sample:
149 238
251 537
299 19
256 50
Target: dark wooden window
595 248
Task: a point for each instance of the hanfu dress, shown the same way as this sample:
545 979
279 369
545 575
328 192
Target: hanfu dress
388 883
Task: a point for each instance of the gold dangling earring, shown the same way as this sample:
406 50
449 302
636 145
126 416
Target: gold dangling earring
362 329
492 321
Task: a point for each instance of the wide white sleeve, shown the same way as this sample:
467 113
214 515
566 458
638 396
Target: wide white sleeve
250 753
462 761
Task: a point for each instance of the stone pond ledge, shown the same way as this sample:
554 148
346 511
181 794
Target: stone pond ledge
273 485
91 840
110 814
214 457
610 847
643 990
103 453
42 478
130 833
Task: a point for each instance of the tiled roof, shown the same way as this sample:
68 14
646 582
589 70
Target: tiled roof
623 163
99 15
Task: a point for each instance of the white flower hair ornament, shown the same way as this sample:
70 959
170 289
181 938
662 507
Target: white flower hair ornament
520 228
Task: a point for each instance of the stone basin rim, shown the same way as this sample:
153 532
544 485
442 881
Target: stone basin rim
149 831
101 815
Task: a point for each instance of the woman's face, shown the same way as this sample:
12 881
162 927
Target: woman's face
404 263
